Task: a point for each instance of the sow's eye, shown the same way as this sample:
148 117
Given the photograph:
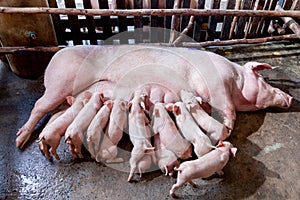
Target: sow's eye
277 91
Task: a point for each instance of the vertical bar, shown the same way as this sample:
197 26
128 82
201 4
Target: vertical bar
255 21
287 4
268 20
168 19
107 28
184 19
212 22
198 22
60 34
74 23
259 30
90 23
122 20
154 23
240 29
138 24
227 21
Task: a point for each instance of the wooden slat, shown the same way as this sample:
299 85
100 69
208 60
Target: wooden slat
106 22
242 20
212 22
198 22
74 24
90 23
227 21
148 12
240 41
57 25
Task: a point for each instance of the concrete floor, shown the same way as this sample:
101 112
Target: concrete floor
266 167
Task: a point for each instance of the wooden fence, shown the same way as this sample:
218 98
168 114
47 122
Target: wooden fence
75 23
95 29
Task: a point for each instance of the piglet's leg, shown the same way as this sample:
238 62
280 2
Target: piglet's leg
175 187
44 105
192 183
229 118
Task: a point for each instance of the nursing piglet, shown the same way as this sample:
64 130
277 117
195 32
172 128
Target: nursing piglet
204 166
170 137
53 132
96 128
74 133
139 133
215 130
189 129
166 159
114 132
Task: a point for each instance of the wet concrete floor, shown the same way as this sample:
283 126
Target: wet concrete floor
266 166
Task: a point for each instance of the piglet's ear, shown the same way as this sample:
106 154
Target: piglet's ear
220 144
129 106
142 104
233 151
109 104
122 105
258 66
199 99
176 109
101 97
156 113
87 95
169 107
70 100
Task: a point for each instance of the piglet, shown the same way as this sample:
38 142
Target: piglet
74 133
96 127
114 132
189 129
139 133
170 137
55 129
205 166
215 130
166 159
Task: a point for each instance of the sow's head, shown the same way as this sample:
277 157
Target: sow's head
268 96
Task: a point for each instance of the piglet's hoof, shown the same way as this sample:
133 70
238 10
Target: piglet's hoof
22 137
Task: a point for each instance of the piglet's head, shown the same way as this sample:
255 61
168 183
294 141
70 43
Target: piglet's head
264 94
228 145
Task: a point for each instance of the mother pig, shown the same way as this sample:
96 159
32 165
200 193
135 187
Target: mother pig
224 85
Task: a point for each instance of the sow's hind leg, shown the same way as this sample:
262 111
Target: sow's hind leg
48 102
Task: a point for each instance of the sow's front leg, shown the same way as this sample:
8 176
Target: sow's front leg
48 102
60 78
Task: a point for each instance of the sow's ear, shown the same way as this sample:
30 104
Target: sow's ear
256 66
